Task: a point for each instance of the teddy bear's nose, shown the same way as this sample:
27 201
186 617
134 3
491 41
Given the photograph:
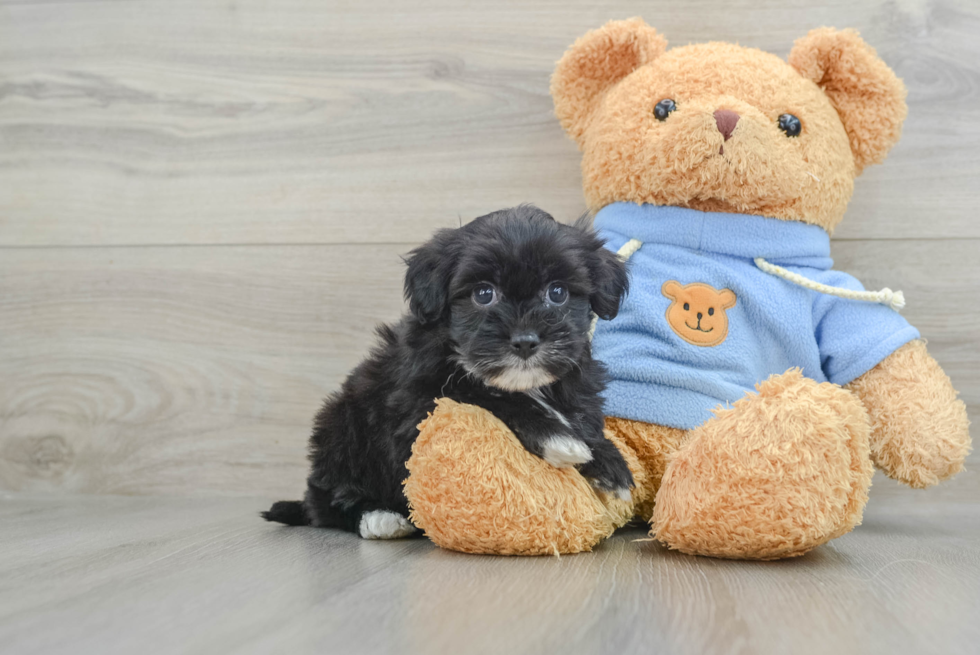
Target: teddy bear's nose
726 120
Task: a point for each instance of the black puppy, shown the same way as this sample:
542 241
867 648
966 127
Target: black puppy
500 315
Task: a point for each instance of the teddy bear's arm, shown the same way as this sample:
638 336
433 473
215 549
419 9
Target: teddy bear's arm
920 431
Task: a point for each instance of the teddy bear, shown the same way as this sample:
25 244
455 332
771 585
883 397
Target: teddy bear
753 388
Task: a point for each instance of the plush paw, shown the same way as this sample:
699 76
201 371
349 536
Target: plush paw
474 487
562 451
384 524
777 474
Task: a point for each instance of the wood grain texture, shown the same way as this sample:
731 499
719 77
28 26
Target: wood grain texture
179 370
232 121
93 574
197 370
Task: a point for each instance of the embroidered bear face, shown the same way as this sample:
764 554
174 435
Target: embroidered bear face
697 313
725 128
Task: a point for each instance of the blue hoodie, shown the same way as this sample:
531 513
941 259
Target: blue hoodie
663 372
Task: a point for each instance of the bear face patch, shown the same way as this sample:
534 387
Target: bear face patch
697 313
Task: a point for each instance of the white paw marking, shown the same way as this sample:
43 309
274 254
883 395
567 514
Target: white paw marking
384 524
561 451
623 494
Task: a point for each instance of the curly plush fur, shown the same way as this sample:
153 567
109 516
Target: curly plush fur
778 473
853 103
784 469
466 467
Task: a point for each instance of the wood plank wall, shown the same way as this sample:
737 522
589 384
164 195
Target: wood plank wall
203 203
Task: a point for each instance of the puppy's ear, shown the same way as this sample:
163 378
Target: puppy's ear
609 283
430 271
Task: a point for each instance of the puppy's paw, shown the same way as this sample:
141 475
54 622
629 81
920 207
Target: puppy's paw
384 524
609 473
622 493
562 451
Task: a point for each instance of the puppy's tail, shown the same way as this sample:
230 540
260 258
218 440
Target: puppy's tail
290 512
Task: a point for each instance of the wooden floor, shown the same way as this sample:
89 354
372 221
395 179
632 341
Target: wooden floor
112 574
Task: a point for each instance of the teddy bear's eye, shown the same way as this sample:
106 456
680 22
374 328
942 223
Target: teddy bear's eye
663 108
790 124
687 307
711 311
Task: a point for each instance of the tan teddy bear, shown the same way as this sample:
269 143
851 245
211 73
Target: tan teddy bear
752 385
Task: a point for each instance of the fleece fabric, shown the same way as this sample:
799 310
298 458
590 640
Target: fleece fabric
661 370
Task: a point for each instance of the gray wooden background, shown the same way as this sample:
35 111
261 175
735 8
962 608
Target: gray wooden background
203 203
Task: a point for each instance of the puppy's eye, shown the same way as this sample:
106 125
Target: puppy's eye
790 124
557 293
711 311
483 294
687 307
663 108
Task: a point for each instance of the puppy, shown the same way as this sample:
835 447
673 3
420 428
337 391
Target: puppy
500 311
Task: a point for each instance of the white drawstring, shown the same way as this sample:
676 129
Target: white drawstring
628 249
894 299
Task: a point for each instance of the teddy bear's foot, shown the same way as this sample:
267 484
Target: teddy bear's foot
474 488
777 474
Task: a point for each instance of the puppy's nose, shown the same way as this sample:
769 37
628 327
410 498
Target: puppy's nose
524 344
726 120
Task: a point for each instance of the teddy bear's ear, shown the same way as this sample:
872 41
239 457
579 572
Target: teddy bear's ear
671 289
868 96
594 63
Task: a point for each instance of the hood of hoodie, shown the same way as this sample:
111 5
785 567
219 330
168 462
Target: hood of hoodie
735 235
